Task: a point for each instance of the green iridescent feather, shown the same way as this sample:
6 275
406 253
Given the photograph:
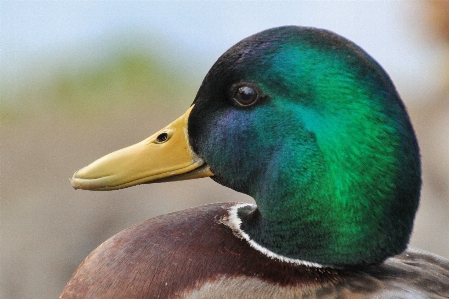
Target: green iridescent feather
328 154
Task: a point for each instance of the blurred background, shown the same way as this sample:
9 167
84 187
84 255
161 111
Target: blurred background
81 79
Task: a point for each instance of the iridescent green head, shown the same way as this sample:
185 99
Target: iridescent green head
312 128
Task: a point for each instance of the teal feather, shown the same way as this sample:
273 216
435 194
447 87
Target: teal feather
328 153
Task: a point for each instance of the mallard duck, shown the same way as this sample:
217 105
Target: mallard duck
312 128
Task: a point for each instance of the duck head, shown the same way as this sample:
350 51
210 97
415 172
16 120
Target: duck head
312 128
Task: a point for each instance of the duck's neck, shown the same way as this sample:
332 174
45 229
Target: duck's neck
289 225
327 217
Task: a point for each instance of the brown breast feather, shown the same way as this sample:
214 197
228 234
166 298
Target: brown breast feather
192 254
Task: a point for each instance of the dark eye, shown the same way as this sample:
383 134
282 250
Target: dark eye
245 95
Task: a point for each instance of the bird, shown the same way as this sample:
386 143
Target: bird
312 127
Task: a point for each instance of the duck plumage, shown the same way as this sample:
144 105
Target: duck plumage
194 254
312 128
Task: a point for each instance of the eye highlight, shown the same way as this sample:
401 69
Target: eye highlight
245 94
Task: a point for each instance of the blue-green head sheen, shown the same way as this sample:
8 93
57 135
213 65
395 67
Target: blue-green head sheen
312 128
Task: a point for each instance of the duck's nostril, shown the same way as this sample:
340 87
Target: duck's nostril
162 137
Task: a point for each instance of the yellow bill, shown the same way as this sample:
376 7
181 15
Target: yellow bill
162 157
